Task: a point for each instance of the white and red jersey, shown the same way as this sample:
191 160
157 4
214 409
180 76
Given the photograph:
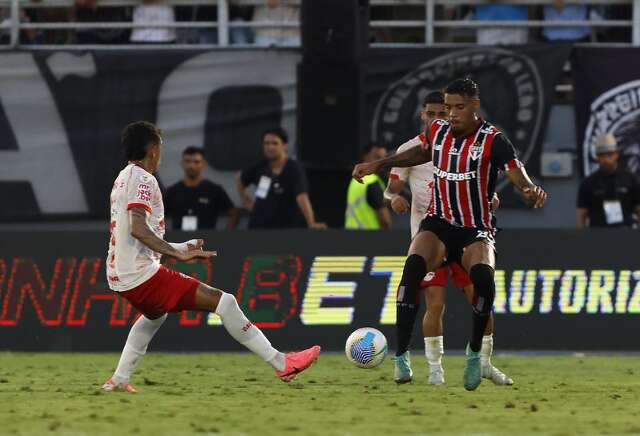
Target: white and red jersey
420 179
130 262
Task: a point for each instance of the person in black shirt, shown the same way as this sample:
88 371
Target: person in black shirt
281 199
610 196
196 203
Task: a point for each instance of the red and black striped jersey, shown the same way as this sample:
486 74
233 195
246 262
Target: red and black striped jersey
465 173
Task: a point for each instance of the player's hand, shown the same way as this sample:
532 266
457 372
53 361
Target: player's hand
195 244
536 195
400 205
495 202
364 169
318 226
196 254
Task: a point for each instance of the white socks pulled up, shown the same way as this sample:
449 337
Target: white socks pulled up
243 331
137 342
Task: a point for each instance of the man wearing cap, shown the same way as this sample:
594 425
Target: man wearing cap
610 197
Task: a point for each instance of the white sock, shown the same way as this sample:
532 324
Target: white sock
137 342
487 350
434 350
243 331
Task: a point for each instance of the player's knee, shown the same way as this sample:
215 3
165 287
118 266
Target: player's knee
482 278
435 309
414 271
210 296
485 288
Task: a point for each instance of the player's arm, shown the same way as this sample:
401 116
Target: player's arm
532 192
503 155
392 193
495 202
375 199
141 231
410 158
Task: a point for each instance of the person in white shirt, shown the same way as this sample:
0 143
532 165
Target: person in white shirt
153 12
277 11
420 179
134 271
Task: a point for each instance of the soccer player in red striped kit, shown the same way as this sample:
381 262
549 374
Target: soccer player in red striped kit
467 153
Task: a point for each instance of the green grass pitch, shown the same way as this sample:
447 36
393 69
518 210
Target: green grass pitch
46 393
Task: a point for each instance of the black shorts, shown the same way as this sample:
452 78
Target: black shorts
456 239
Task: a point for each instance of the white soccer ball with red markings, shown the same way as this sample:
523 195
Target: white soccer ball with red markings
366 347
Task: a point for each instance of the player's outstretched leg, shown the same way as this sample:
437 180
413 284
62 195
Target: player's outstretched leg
287 366
138 340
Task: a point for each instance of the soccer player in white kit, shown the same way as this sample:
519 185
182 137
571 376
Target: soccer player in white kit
420 179
134 270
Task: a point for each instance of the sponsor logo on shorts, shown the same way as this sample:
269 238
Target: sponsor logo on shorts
429 276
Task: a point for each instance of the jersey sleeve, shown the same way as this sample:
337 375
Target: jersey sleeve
398 173
141 190
503 154
375 196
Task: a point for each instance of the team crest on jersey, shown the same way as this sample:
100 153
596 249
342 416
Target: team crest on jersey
475 151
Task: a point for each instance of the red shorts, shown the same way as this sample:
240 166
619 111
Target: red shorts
441 277
166 291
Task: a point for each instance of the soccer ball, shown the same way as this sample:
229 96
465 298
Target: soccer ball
366 347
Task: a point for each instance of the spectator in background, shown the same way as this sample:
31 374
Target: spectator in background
195 203
87 11
502 35
610 196
281 197
153 12
559 11
365 201
278 11
240 14
27 36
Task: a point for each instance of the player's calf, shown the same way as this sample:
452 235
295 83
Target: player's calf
485 292
406 302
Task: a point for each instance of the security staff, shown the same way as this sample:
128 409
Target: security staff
195 203
365 201
610 196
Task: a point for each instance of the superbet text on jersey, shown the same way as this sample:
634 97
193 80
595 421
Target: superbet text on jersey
466 170
130 262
